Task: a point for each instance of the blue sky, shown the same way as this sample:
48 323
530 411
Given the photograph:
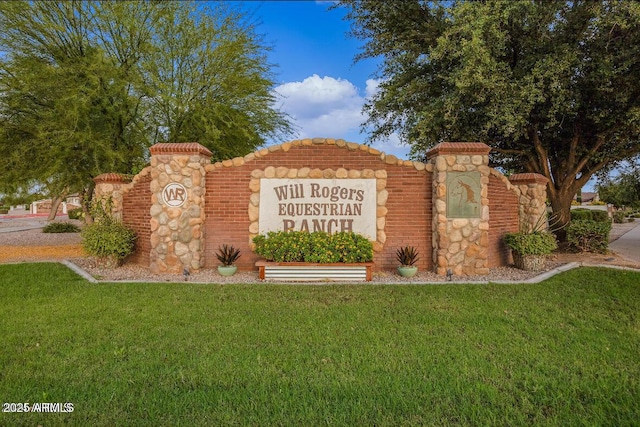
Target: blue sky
321 87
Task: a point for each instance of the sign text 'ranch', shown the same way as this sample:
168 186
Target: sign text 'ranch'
330 205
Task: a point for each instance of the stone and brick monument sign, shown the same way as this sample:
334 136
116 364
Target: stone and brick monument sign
453 208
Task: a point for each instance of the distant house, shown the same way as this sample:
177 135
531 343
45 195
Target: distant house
588 197
44 206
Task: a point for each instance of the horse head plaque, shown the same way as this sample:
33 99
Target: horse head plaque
463 195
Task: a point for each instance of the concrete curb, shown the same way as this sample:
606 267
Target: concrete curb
537 279
79 271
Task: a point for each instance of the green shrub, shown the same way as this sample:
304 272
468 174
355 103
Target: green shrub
618 217
316 247
589 236
535 243
582 214
75 213
110 239
61 227
600 216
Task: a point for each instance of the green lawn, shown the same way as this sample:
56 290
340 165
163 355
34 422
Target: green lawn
563 352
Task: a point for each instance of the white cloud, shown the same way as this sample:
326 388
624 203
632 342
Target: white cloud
322 107
332 108
372 87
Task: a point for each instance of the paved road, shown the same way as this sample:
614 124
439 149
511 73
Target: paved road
628 245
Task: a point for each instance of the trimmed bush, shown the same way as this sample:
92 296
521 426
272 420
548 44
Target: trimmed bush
536 243
316 247
600 216
582 214
108 240
61 227
589 236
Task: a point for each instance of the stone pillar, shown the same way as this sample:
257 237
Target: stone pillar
533 200
111 185
460 207
177 206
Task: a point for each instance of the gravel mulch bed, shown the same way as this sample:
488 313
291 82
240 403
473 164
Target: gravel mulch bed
137 273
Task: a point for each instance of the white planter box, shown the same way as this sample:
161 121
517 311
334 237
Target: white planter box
309 272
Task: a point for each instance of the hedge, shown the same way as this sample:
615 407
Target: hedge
589 236
582 214
316 247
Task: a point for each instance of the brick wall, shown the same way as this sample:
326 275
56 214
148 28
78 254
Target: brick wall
503 218
408 221
136 214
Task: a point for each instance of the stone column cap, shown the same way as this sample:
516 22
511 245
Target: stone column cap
180 148
459 148
111 177
528 178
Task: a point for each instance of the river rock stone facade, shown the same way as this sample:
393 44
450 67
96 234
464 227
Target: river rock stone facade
177 214
460 244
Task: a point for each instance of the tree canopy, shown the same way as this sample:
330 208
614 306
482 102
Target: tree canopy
552 86
87 87
622 190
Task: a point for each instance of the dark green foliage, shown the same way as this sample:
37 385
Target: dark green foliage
4 210
316 247
227 254
600 216
589 236
624 189
580 214
583 214
535 243
87 86
61 227
76 213
552 86
407 256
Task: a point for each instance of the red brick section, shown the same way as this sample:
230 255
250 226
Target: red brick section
408 221
137 215
458 148
503 218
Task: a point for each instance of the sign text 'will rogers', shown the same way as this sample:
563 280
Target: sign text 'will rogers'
330 205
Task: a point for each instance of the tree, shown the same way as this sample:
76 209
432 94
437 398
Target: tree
87 87
624 189
210 82
552 86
